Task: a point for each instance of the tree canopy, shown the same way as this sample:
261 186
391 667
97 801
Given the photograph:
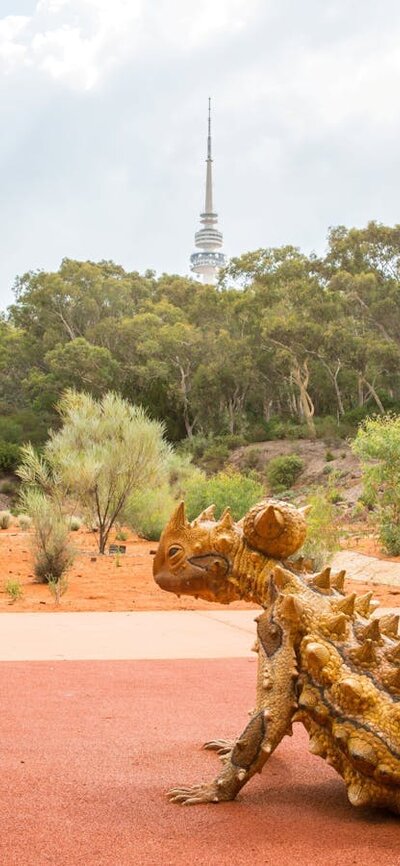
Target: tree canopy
283 334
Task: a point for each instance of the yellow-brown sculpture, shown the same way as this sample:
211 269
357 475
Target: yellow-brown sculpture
322 660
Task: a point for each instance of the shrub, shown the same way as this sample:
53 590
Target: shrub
58 588
389 535
24 521
53 553
75 523
14 589
283 471
377 443
122 535
329 456
10 455
147 511
5 519
227 488
250 459
322 531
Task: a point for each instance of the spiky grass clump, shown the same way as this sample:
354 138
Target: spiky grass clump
5 519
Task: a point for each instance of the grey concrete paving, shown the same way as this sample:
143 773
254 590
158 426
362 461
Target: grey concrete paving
362 567
131 635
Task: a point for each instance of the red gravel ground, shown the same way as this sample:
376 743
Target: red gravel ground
88 750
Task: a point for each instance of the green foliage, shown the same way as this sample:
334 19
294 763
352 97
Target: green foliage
377 444
5 519
283 471
58 588
24 522
227 488
14 589
322 530
8 488
329 456
250 459
103 451
122 535
147 511
9 456
53 553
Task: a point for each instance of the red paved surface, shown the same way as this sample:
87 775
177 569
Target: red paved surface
88 750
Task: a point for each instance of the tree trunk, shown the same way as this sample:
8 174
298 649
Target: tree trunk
301 377
373 394
360 389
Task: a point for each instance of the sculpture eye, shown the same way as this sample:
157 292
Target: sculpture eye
173 550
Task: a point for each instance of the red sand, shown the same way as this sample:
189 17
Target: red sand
108 583
88 750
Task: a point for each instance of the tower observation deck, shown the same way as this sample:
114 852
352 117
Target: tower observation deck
208 239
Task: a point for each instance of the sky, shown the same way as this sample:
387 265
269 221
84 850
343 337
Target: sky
103 110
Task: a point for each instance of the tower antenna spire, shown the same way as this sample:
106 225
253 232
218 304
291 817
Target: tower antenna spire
208 262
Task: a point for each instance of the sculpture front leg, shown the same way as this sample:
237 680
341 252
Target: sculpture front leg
268 725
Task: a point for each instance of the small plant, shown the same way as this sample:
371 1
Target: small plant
283 471
75 523
10 455
24 522
389 535
329 456
14 589
58 588
250 459
5 519
122 535
322 531
53 553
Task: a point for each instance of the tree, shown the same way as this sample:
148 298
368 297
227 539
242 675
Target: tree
377 444
104 451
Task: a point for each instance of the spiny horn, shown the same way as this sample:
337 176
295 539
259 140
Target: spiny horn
362 751
365 654
371 631
207 514
337 580
394 655
321 580
317 653
351 689
305 509
389 624
281 577
337 624
269 523
178 518
291 608
362 603
346 605
226 521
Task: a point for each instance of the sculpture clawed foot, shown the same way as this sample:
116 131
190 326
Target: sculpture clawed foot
222 747
211 792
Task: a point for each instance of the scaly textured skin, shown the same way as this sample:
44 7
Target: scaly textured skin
322 660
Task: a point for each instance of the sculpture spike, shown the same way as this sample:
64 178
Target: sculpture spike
305 509
291 608
371 631
226 521
321 580
362 603
207 514
358 795
337 580
394 654
351 689
337 624
362 752
389 624
365 654
178 520
317 653
393 680
346 605
269 523
281 577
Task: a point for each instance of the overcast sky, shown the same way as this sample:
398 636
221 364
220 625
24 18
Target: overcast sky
103 126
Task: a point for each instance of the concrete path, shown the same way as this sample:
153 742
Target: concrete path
361 567
138 635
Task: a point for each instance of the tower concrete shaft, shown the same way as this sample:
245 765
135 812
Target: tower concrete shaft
208 239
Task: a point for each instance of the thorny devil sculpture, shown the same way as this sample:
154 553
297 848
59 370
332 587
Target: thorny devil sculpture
322 660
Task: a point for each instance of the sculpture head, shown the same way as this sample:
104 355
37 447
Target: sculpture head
196 558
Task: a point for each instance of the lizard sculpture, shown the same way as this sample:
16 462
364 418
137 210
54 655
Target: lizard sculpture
322 659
